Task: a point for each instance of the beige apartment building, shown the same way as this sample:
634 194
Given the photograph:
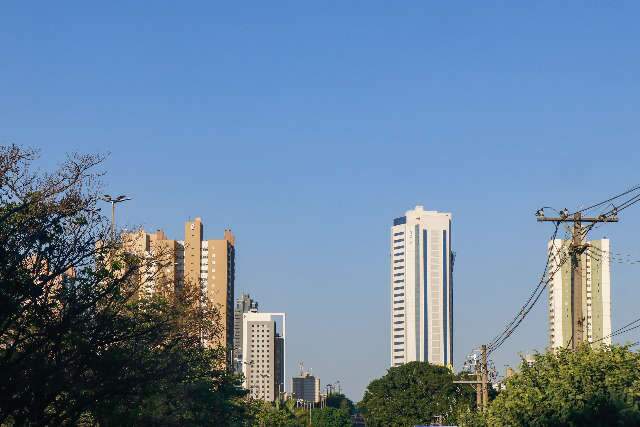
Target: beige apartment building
210 263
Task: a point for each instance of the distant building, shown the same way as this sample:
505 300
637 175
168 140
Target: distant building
421 288
244 304
209 264
279 364
306 387
596 294
264 355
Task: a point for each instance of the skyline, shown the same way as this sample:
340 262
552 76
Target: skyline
294 126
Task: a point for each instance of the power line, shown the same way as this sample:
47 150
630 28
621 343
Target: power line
576 247
616 209
604 255
533 294
637 187
537 293
497 345
626 328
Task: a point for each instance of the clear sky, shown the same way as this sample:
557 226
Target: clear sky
307 127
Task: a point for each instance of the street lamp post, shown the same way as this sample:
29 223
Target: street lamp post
114 201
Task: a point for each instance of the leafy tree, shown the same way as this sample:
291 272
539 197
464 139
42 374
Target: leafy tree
79 341
340 401
266 414
412 394
595 386
469 417
330 417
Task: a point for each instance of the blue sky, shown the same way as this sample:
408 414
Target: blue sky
306 127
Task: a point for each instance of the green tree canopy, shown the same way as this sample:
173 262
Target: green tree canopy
413 394
595 386
330 417
265 414
340 401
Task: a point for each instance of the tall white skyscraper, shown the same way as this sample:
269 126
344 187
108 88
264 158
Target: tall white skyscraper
596 294
421 288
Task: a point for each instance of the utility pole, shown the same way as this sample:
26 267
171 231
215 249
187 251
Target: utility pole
478 387
481 383
576 249
485 380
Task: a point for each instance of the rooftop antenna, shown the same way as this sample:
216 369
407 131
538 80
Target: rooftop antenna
301 364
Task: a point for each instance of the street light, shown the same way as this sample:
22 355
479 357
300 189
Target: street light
114 200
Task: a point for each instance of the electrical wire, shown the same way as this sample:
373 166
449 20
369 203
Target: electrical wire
494 345
497 345
637 187
524 307
604 255
497 341
624 329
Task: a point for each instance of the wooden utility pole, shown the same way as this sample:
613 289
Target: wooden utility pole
485 379
481 383
576 249
478 387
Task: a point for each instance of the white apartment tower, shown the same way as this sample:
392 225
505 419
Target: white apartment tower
264 357
596 293
421 288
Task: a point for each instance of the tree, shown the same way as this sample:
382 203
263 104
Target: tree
265 414
596 386
412 394
78 340
340 401
330 417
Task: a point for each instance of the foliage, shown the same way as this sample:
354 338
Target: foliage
413 394
597 386
288 415
80 342
340 401
330 417
469 417
279 415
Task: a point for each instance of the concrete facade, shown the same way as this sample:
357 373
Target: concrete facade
421 288
209 264
264 354
596 294
306 387
244 304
